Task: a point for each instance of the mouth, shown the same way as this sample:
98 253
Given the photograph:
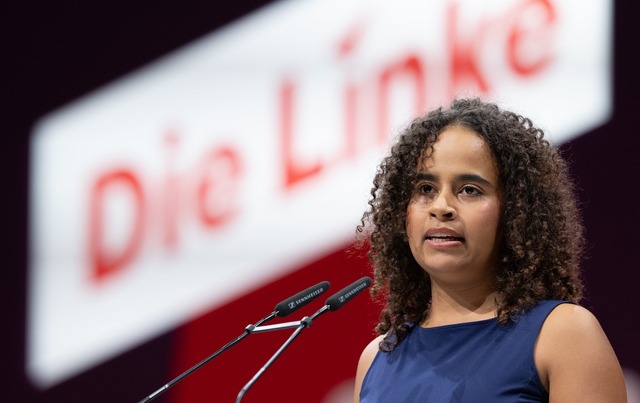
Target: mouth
444 238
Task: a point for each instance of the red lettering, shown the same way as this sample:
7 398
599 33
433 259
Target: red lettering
464 61
345 48
217 192
367 102
410 67
514 33
215 189
351 39
528 48
351 113
293 173
171 193
106 263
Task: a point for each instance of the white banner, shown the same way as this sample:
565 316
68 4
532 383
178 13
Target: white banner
232 161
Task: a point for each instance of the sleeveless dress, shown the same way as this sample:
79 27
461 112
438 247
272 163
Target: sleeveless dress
468 362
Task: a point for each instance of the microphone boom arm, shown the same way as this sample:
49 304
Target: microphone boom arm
206 360
305 322
333 303
283 309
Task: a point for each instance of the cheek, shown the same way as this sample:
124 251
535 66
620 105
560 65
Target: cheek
413 222
488 219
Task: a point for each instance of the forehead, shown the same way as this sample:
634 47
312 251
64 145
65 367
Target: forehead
459 147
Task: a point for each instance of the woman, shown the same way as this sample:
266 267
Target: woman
475 242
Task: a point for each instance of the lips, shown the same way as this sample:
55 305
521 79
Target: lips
443 235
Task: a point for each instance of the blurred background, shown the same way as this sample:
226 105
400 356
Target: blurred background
173 170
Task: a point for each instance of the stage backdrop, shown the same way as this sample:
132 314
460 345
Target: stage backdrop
197 192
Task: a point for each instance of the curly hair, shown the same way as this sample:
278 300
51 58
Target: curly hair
541 229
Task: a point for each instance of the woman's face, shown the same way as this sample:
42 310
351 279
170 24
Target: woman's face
454 214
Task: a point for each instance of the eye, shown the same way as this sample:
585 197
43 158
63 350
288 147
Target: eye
425 188
469 190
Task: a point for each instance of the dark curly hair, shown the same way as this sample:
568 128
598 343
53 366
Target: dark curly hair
542 233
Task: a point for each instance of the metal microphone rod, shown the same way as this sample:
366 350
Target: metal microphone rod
209 358
270 328
305 322
333 303
285 325
320 311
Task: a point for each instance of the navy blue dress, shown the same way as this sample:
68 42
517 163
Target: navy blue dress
467 362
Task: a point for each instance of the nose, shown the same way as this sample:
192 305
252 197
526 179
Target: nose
442 208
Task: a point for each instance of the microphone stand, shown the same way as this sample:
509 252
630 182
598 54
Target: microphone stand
248 330
284 308
301 324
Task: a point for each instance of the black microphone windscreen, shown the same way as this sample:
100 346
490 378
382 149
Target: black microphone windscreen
345 295
301 299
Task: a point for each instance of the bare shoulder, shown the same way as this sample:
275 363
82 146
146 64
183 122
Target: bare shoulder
366 358
568 320
575 359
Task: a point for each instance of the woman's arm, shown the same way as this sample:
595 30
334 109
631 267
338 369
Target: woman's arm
575 360
367 356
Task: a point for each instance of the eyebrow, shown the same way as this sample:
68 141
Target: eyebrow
460 178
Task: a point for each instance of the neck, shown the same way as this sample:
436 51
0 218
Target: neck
450 305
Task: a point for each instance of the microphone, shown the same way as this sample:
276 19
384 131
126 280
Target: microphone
337 300
301 299
282 309
333 303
